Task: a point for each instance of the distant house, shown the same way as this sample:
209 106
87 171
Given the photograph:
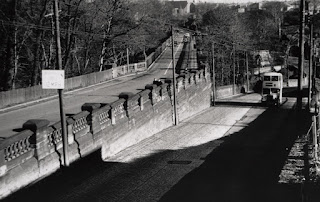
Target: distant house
255 6
241 10
182 7
250 7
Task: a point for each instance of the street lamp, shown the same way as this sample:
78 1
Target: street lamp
174 80
314 109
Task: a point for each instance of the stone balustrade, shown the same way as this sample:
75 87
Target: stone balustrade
55 136
14 149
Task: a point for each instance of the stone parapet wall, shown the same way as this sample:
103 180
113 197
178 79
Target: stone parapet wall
37 151
227 91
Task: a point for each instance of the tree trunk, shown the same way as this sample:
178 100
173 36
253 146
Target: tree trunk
36 58
10 64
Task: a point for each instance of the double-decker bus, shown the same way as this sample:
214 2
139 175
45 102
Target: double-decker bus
272 84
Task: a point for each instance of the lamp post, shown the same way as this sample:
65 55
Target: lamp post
213 74
310 57
301 56
314 109
247 71
174 80
60 91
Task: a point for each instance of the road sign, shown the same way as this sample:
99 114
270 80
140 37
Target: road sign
53 79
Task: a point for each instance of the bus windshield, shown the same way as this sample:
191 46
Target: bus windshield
266 78
266 91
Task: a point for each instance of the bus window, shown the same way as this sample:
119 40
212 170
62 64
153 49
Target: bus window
274 78
266 91
275 90
266 78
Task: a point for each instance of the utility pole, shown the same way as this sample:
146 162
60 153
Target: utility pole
213 80
310 60
128 59
60 91
301 56
234 71
174 80
247 70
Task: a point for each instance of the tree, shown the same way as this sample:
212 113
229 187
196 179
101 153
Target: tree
92 33
8 17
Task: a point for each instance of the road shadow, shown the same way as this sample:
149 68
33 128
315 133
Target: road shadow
18 130
246 166
292 92
238 103
56 184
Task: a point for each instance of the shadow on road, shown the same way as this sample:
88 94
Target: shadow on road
247 164
292 92
238 103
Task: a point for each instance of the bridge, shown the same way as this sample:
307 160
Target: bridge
124 146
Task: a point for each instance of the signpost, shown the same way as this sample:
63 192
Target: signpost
53 79
58 76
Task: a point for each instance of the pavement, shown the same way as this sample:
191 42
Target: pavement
225 153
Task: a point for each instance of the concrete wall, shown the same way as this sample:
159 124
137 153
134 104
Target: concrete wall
16 96
132 68
37 151
227 91
294 82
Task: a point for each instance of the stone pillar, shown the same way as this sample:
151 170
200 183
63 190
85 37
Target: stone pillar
118 111
131 103
3 166
40 141
170 90
93 119
151 87
180 85
192 79
202 75
144 99
164 91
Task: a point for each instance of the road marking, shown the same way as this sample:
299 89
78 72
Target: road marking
171 60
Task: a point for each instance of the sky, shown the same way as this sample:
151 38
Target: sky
232 1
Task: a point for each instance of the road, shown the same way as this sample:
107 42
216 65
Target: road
11 121
229 152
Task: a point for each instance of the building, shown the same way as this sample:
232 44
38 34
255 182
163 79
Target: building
181 8
255 6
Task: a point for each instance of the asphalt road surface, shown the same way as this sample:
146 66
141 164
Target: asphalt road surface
11 121
231 152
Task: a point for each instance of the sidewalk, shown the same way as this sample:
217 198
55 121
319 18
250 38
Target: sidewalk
246 166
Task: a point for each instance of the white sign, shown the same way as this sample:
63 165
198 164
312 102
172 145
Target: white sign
53 79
